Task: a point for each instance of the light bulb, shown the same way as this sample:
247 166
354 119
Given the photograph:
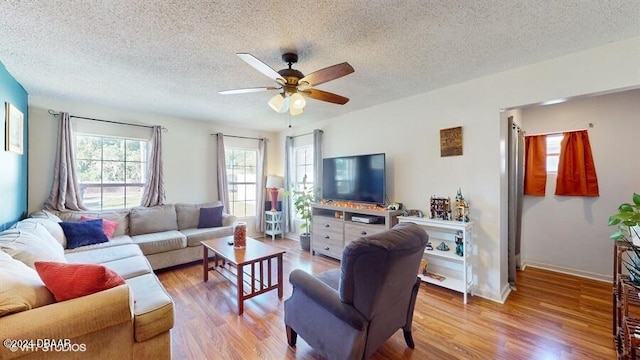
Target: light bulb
297 101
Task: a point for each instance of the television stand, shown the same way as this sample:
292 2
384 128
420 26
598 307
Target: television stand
334 225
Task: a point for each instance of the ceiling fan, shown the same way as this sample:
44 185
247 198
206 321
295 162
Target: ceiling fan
293 85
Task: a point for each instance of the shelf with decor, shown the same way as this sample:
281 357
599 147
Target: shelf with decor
447 269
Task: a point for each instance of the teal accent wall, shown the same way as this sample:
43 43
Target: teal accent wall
13 167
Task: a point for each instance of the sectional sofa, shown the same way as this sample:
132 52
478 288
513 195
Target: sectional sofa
128 321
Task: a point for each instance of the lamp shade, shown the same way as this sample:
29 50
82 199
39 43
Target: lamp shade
274 181
298 101
279 103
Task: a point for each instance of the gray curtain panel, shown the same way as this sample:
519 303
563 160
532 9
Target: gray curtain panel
153 193
223 187
288 172
260 184
317 163
65 193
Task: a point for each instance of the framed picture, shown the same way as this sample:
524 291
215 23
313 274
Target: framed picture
451 141
15 129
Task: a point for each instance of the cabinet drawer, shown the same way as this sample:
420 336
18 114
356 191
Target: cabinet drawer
354 231
327 225
327 243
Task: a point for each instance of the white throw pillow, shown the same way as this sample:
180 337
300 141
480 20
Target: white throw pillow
30 242
20 287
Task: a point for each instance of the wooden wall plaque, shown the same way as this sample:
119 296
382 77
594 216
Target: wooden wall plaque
451 141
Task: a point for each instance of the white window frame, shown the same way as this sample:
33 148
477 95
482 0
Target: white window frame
298 173
102 185
232 184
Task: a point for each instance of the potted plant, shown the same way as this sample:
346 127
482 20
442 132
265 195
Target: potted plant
302 200
628 222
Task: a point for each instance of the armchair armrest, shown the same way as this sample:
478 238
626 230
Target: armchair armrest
326 297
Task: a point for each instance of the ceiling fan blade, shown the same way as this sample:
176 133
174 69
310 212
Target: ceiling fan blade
247 90
325 96
327 74
262 67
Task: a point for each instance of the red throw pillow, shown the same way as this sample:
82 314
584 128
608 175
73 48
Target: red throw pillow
69 281
108 225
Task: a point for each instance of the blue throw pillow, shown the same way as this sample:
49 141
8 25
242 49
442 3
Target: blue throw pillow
83 233
210 217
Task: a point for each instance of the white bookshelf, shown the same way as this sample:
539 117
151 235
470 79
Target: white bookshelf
457 270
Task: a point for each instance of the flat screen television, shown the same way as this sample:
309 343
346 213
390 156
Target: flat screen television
359 178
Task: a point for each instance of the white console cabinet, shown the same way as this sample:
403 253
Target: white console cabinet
456 270
333 227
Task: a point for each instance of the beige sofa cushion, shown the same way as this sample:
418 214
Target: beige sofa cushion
120 216
188 214
51 225
129 267
20 287
31 242
194 236
160 242
146 220
103 255
115 241
153 309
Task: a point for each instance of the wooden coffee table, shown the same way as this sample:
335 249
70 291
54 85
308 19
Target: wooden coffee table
254 261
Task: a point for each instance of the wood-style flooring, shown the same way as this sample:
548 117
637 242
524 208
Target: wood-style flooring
550 316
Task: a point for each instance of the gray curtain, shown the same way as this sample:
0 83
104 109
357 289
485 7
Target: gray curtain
65 193
288 171
223 188
260 184
153 193
317 163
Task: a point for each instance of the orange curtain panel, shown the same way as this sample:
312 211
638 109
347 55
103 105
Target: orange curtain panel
576 170
535 165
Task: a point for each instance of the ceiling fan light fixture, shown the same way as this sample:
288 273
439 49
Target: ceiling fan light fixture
279 103
298 101
295 111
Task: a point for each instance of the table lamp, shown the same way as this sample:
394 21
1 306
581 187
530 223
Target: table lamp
274 183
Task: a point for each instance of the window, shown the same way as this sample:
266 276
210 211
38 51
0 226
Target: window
241 177
111 171
303 165
553 152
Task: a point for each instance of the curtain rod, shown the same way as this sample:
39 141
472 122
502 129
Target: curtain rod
241 137
309 133
559 132
107 121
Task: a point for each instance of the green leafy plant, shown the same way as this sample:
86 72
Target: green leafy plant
302 200
627 221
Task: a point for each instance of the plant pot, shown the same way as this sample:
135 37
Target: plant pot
305 242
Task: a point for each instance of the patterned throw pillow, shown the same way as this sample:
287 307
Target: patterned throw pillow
69 281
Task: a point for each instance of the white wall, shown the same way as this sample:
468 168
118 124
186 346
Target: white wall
570 234
188 149
407 130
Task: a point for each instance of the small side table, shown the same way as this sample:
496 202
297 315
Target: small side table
273 224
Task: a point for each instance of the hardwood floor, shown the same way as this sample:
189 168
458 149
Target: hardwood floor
550 316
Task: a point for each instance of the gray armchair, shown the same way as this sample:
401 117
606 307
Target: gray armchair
347 313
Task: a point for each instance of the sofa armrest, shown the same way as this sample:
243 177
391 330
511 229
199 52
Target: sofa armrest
228 219
326 297
69 319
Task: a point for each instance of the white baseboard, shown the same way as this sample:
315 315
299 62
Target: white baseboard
492 296
569 271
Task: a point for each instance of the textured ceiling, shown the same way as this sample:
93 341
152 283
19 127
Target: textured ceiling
172 57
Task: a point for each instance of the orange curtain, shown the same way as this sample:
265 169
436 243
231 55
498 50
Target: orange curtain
535 165
576 170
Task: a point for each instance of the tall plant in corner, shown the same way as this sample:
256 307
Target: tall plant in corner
628 222
302 200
